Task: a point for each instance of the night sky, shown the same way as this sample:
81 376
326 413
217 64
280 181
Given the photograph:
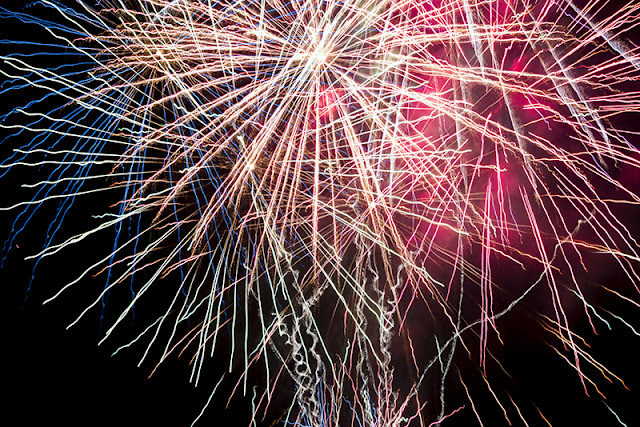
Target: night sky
63 377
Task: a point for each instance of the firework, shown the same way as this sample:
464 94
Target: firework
313 190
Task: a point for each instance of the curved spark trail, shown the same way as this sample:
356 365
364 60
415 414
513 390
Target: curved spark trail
314 189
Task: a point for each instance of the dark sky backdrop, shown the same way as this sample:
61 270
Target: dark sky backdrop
61 377
54 376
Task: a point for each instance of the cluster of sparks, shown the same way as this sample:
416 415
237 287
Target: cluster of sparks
313 176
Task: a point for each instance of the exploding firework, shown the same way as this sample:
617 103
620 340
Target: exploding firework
346 198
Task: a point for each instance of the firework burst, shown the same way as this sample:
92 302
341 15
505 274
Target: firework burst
312 187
